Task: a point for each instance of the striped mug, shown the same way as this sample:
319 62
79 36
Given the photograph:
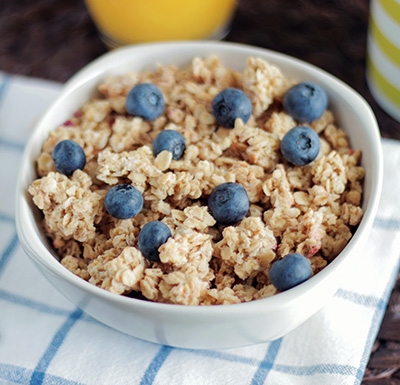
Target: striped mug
383 59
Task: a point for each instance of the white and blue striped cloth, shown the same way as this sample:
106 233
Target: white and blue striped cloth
44 339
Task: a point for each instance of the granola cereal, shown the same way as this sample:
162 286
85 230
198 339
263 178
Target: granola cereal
312 210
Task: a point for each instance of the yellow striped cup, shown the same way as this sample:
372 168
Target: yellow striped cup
383 61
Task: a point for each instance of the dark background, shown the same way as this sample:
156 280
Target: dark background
53 39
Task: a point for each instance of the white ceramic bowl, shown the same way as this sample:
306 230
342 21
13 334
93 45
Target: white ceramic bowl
203 326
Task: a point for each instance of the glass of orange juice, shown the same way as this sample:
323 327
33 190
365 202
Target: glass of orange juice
123 22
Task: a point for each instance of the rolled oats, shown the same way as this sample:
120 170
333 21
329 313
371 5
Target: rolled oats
312 210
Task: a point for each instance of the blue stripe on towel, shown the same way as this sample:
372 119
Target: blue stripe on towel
387 224
3 87
359 299
14 373
289 369
6 218
155 365
22 375
307 370
310 370
267 363
40 371
41 306
10 144
5 256
378 314
218 354
32 304
376 322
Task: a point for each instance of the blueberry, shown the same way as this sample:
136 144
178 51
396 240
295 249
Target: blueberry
68 156
145 100
289 271
151 237
123 201
305 102
228 203
170 140
300 145
230 104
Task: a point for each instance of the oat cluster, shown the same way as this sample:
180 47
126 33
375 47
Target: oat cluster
312 210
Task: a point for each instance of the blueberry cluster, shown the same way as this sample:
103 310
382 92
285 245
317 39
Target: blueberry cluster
305 102
228 203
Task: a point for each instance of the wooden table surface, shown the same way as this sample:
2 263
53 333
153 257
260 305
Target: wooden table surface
54 39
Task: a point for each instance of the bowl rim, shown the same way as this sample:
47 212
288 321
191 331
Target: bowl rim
41 255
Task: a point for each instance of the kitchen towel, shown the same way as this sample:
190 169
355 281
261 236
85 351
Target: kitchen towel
44 339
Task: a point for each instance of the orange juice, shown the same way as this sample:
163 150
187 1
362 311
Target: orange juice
137 21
